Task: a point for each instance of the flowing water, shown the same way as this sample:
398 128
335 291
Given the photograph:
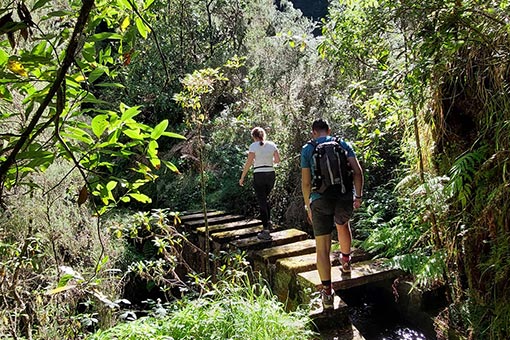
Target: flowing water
374 313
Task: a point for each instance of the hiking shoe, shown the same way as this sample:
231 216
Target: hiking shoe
264 235
345 264
328 300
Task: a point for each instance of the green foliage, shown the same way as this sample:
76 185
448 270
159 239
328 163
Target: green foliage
157 249
55 273
47 100
428 269
462 175
398 226
236 310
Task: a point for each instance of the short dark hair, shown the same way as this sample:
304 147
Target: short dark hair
320 125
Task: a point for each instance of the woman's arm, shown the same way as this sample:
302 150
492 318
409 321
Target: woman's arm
276 157
247 165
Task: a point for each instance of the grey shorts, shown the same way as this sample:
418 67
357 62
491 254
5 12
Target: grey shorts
326 212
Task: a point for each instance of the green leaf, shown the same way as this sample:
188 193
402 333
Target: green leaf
124 3
112 85
171 166
101 264
159 129
105 35
156 162
130 113
59 14
141 197
99 124
4 57
111 185
173 135
95 74
142 28
39 4
65 279
133 134
5 94
152 150
77 134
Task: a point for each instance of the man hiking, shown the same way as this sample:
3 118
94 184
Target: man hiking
331 190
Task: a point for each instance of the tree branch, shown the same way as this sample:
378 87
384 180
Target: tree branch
68 60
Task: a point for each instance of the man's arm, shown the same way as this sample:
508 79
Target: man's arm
306 188
357 178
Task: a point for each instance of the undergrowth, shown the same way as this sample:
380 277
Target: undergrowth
234 309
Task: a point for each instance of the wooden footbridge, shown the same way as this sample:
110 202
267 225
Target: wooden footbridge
287 262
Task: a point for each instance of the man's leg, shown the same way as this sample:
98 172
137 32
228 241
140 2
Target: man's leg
345 240
344 237
323 248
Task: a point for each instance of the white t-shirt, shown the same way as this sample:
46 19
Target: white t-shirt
263 161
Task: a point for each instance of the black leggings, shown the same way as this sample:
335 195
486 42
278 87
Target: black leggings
263 183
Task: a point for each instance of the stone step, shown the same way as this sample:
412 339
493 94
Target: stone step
278 238
362 273
323 319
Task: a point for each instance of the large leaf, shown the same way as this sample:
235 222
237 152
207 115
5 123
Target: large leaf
159 129
99 124
134 134
105 35
173 135
77 134
130 113
152 150
141 197
95 74
142 28
39 4
4 57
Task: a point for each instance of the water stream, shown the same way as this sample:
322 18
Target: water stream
374 313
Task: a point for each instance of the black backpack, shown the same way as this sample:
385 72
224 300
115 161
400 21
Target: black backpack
332 174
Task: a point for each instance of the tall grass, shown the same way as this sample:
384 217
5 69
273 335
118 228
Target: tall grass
235 309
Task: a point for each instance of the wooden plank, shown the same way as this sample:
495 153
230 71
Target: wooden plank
362 273
230 226
280 237
214 220
270 255
307 261
199 215
230 235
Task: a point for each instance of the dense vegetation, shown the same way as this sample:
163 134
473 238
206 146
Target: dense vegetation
112 107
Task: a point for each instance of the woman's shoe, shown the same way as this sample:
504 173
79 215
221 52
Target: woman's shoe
264 235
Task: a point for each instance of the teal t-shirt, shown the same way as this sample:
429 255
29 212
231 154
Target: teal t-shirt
307 157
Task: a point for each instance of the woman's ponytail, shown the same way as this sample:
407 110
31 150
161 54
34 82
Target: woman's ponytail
259 134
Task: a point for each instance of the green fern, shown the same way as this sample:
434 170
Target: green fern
462 175
426 269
